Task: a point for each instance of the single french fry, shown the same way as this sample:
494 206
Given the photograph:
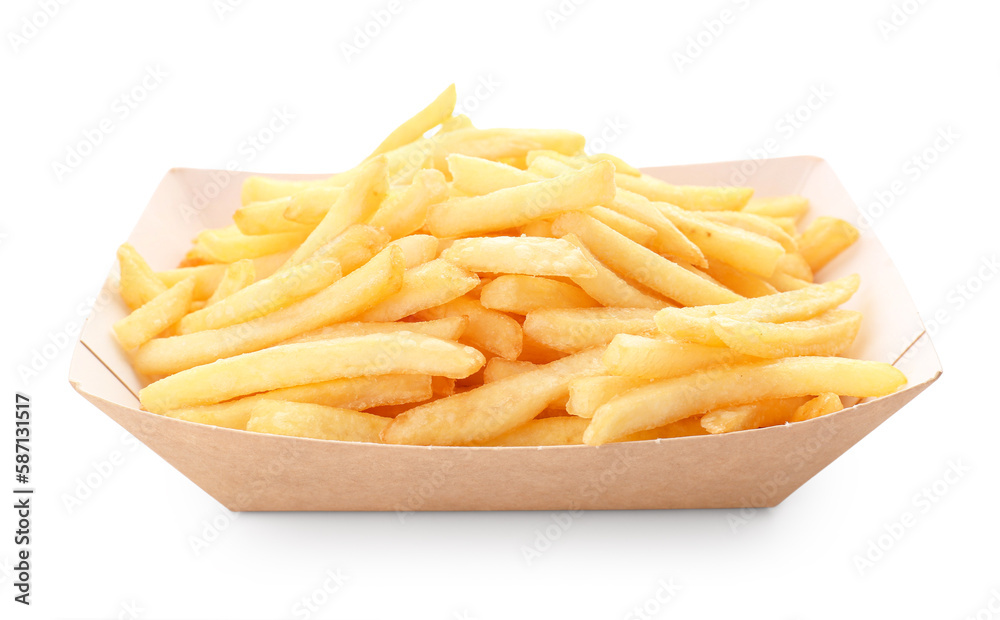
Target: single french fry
608 288
736 247
355 246
417 249
238 276
523 294
575 329
309 206
763 413
268 217
795 265
350 393
669 400
825 403
138 283
310 362
437 112
154 316
279 417
475 176
342 300
449 328
405 211
486 412
487 329
784 282
778 206
738 281
824 239
634 230
689 197
516 206
587 394
693 324
536 256
554 431
354 205
424 286
229 245
207 277
641 264
265 296
661 358
830 333
753 223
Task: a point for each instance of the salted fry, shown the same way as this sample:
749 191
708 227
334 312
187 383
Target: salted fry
669 400
342 300
154 316
437 112
523 294
138 283
279 417
769 412
830 333
575 329
424 286
692 324
535 256
310 362
487 329
238 276
516 206
660 358
824 239
486 412
641 264
825 403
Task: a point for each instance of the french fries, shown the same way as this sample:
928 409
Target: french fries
498 288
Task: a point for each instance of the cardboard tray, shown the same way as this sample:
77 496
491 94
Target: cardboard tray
249 471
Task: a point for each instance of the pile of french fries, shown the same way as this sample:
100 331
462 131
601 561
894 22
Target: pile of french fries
498 287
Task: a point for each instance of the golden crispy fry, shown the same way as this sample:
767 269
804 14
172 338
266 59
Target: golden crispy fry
516 206
154 316
309 206
450 328
830 333
778 206
660 358
355 204
437 112
268 217
405 211
315 421
349 393
692 324
587 394
487 329
824 239
417 249
355 246
310 362
689 197
557 431
265 296
138 283
238 276
825 403
608 288
486 412
737 281
342 300
669 400
763 413
424 286
536 256
229 245
575 329
523 294
641 264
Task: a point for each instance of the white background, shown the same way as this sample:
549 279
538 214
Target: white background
126 551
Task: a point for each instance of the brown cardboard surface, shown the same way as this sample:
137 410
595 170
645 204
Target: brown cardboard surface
249 471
